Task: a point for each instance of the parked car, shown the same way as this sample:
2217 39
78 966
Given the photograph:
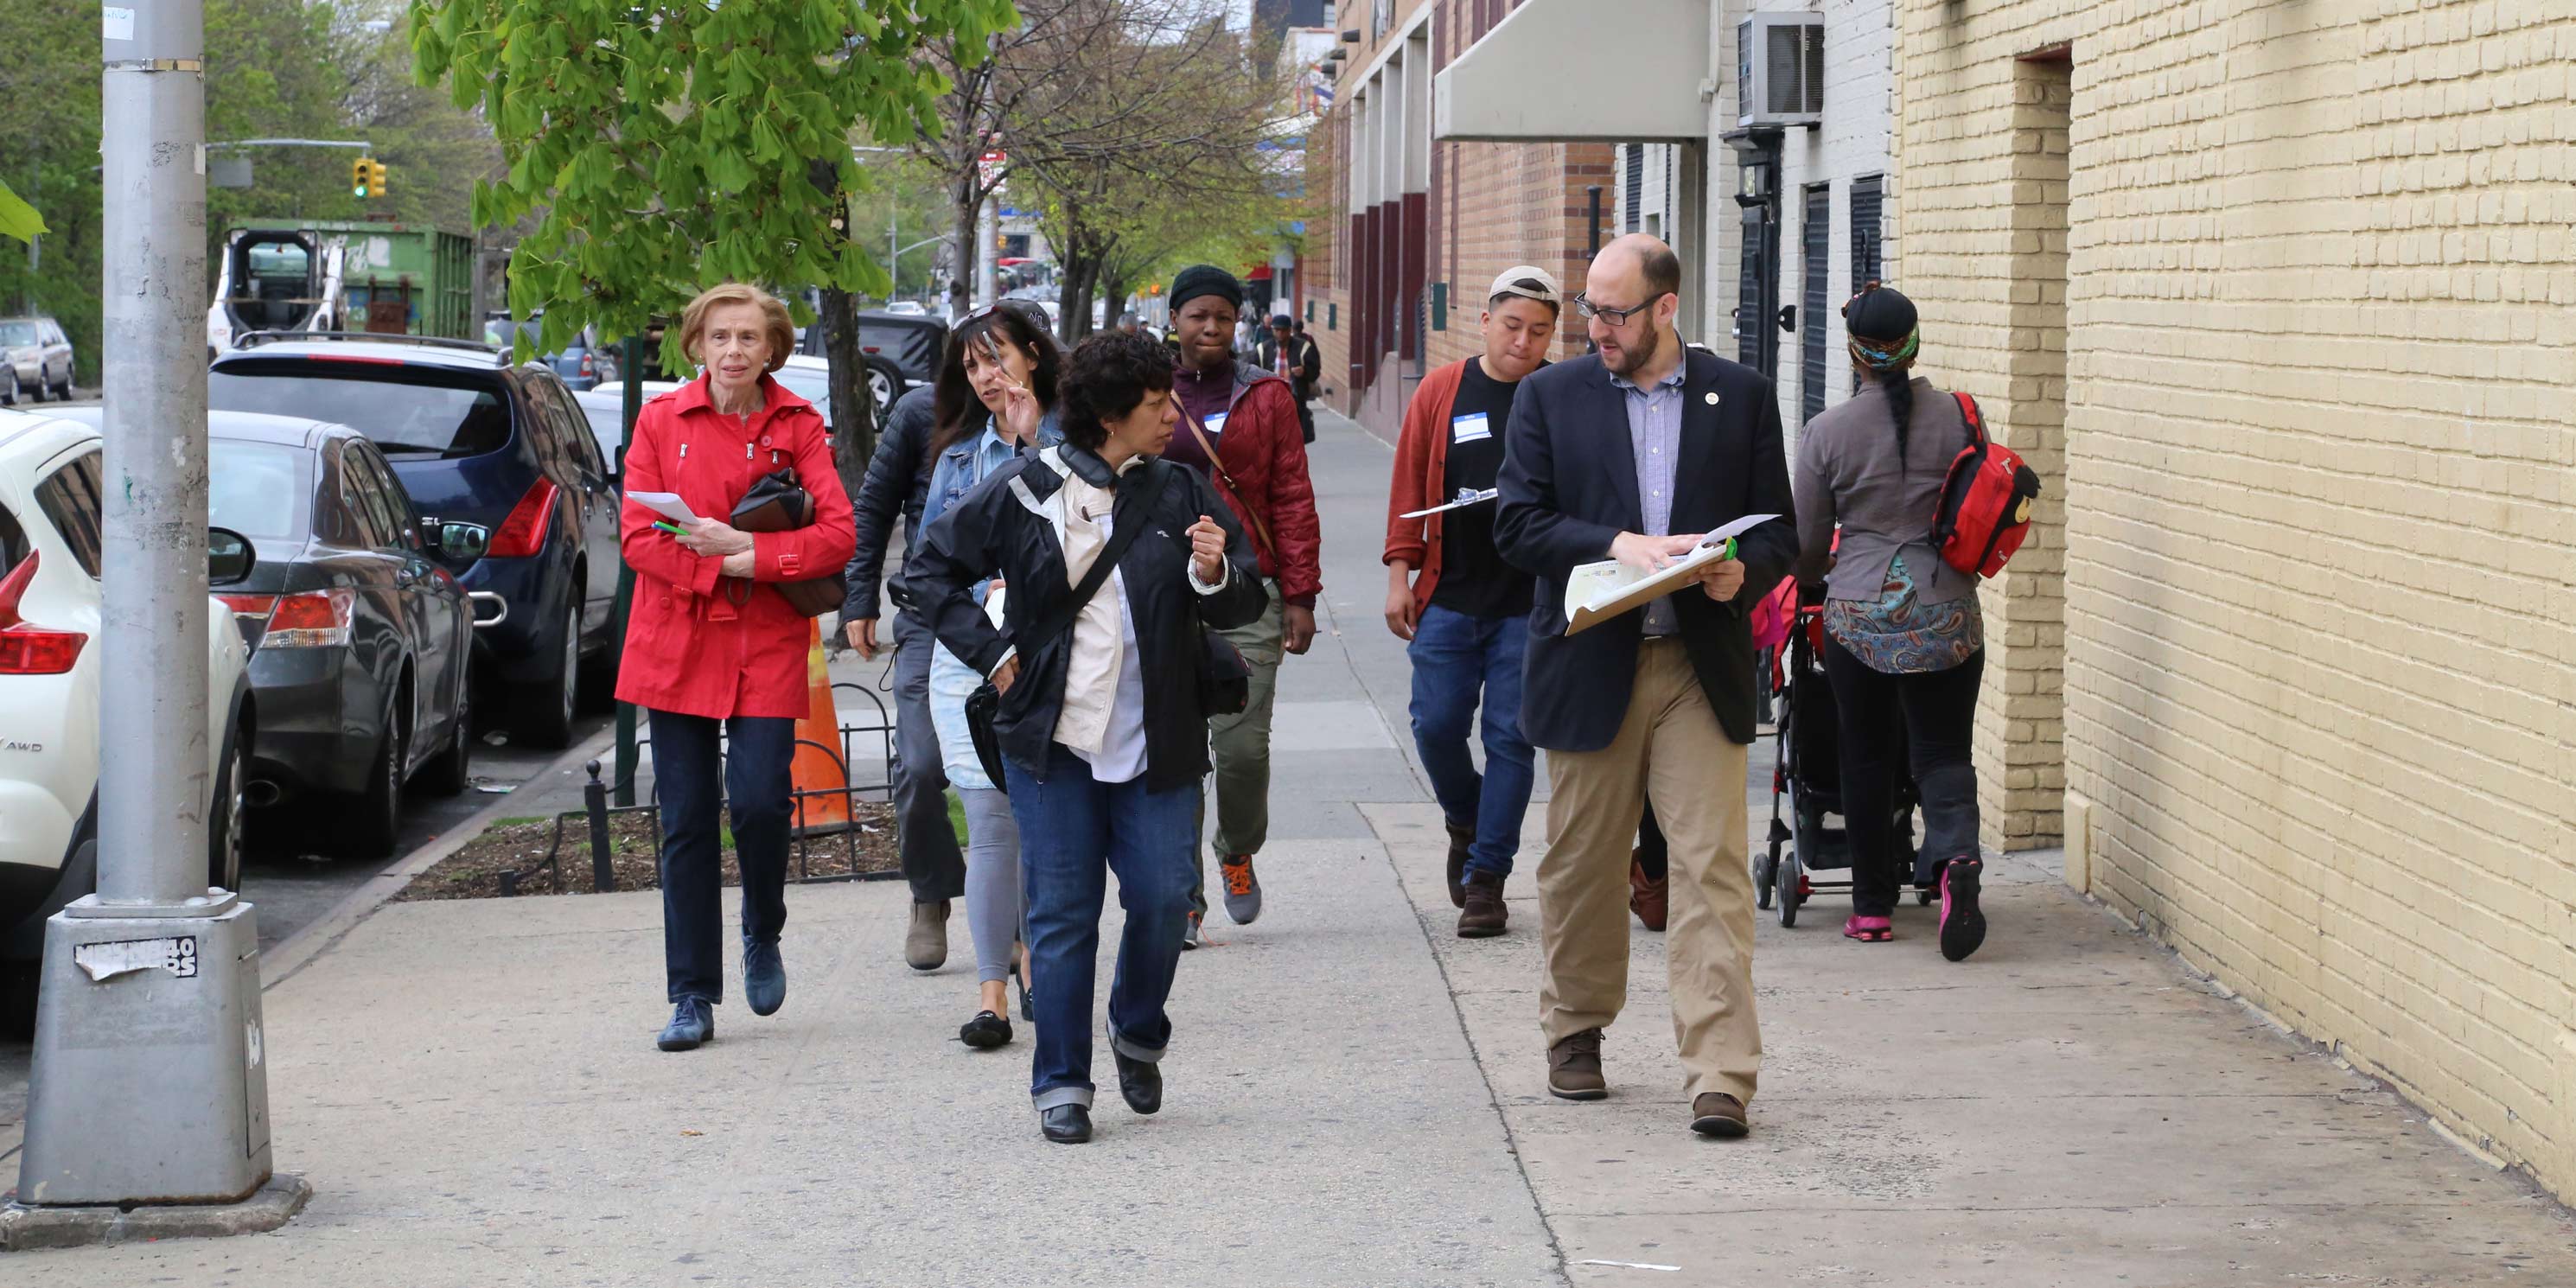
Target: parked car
605 405
52 516
361 633
35 360
475 440
901 350
582 364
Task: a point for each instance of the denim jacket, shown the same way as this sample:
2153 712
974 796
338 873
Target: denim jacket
965 464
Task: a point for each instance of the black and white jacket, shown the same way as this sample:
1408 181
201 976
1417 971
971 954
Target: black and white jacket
1012 525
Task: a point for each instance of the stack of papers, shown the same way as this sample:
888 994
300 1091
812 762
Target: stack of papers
1597 592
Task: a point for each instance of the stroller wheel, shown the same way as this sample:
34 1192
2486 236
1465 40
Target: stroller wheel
1923 897
1788 887
1766 868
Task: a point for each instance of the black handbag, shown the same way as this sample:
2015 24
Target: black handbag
986 701
1225 679
778 502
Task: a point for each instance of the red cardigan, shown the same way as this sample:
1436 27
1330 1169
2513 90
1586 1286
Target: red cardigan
1421 467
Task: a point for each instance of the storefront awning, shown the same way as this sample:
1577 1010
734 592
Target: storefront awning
1563 70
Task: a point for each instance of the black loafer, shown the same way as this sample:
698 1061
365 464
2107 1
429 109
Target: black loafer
1140 1083
1065 1124
985 1032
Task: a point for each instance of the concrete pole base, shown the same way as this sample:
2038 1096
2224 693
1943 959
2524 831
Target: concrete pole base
23 1228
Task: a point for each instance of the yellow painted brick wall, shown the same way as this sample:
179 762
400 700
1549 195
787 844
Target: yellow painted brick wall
2311 433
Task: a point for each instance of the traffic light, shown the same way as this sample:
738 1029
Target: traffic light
358 177
375 178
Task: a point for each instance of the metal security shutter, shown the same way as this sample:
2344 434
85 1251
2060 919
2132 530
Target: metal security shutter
1866 232
1749 322
1815 238
1632 207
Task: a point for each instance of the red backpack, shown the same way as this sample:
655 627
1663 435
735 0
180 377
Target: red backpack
1985 501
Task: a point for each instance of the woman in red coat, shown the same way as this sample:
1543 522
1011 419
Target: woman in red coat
714 654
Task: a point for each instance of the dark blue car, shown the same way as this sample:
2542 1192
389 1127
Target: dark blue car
476 440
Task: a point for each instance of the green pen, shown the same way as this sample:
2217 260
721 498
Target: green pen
671 528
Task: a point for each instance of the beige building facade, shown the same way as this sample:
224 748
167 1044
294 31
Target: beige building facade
2281 301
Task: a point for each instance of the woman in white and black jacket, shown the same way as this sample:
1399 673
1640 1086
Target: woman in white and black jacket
1103 767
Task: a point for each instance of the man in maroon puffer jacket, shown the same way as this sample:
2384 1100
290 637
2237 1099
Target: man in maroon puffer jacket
1239 427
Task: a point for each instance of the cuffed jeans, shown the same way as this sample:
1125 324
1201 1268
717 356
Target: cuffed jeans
697 773
1239 747
1074 832
1889 723
931 859
1454 657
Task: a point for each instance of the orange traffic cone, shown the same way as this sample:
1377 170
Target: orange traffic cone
817 770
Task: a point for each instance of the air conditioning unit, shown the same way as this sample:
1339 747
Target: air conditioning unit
1780 69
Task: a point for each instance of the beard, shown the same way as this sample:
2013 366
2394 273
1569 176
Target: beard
1634 357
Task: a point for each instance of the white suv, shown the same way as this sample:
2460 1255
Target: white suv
51 522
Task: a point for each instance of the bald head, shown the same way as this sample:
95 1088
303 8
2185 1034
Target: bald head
1638 278
1641 260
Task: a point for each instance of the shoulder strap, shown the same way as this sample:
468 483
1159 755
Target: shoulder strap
1976 423
1121 536
1216 470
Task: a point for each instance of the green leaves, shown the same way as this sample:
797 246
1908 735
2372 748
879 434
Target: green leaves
17 218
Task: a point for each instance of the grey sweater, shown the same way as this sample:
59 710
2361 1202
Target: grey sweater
1848 473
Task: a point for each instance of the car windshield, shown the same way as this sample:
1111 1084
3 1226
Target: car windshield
263 491
809 384
407 411
17 333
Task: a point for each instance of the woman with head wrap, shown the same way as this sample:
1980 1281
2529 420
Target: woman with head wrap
1904 647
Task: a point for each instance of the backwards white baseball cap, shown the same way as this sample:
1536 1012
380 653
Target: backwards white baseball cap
1515 281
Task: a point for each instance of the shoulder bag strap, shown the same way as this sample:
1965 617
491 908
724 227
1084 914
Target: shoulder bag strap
1968 409
1216 467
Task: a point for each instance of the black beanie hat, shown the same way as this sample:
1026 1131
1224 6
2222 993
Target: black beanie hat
1205 279
1880 313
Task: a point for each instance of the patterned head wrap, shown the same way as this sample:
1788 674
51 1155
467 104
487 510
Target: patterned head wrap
1883 332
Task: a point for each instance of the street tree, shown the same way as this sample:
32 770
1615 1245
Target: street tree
663 148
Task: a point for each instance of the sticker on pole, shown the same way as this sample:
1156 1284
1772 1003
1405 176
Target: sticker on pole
177 955
116 22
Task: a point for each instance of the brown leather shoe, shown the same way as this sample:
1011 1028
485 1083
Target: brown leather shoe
1460 840
1647 898
925 945
1485 915
1715 1113
1574 1067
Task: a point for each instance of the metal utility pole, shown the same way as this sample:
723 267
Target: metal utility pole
630 370
150 1079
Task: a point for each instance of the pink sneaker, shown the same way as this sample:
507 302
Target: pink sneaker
1869 930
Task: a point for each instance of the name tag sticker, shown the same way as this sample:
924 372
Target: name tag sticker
1215 424
1470 429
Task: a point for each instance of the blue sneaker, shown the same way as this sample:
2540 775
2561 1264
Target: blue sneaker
693 1021
764 977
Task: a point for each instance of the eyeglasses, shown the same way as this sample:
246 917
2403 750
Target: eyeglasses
1615 317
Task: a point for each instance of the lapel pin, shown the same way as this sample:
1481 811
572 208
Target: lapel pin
1710 397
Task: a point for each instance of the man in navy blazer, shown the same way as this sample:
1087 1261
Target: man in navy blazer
1631 454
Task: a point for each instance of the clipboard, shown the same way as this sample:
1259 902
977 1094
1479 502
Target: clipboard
1597 592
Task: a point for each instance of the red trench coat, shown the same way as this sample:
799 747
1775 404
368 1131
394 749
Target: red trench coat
698 643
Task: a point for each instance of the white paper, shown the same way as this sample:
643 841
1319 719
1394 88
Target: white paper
667 504
116 23
1594 586
1465 498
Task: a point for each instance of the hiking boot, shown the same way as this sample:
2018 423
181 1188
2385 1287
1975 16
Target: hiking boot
1574 1067
1461 839
1963 924
1650 900
925 946
1715 1113
1485 915
1242 889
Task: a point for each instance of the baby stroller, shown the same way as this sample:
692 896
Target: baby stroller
1809 776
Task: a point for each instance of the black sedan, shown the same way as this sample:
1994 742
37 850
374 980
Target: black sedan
360 634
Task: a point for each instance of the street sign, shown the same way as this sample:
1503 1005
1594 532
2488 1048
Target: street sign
228 171
990 164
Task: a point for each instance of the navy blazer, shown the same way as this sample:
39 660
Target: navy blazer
1569 486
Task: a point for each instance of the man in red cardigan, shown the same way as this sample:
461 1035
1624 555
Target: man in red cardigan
1239 428
1466 612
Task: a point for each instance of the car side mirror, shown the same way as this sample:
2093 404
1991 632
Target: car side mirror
463 541
229 557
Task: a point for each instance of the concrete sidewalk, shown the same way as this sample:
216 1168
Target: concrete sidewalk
1356 1096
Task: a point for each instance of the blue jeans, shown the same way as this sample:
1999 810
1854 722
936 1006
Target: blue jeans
1454 655
694 778
1074 832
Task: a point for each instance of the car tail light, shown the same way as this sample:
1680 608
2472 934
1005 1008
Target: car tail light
27 649
524 532
313 619
587 367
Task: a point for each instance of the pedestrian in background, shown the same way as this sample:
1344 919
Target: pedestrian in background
1117 565
1239 431
1904 638
1632 453
1286 353
714 654
897 483
1466 613
997 402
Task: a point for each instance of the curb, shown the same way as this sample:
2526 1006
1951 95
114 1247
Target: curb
298 950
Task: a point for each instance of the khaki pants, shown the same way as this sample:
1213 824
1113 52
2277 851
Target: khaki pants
1669 750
